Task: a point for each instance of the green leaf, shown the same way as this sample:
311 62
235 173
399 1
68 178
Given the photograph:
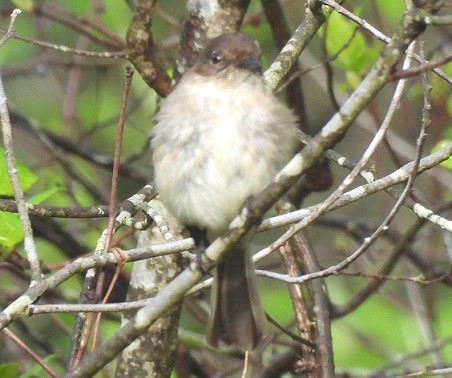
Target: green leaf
41 197
25 5
26 177
10 234
37 370
391 10
446 163
358 56
9 370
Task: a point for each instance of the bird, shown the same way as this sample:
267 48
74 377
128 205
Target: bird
218 139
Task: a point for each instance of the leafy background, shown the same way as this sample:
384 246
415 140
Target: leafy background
79 98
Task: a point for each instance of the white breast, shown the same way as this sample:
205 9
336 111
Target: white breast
216 144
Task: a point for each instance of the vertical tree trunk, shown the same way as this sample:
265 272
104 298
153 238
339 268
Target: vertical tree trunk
152 354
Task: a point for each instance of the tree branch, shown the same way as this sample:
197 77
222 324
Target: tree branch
410 27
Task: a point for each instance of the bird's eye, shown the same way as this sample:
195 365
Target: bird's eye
215 58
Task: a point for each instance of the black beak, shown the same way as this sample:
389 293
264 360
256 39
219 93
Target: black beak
252 64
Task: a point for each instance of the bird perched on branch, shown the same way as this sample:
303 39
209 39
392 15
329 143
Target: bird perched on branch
219 138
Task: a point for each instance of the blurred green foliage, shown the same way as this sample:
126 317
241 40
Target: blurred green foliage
36 81
355 54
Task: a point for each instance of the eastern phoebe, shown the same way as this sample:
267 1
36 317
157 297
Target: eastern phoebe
219 138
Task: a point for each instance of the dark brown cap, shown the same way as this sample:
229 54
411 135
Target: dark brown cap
229 50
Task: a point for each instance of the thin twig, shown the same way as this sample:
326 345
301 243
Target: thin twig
19 307
355 171
296 44
438 20
428 66
405 171
372 187
77 24
379 35
66 49
11 31
427 372
411 26
114 195
29 245
132 205
368 290
12 336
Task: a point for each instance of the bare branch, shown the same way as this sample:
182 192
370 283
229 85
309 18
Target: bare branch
410 27
140 48
29 243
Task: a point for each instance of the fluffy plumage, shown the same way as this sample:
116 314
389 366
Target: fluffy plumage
219 138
